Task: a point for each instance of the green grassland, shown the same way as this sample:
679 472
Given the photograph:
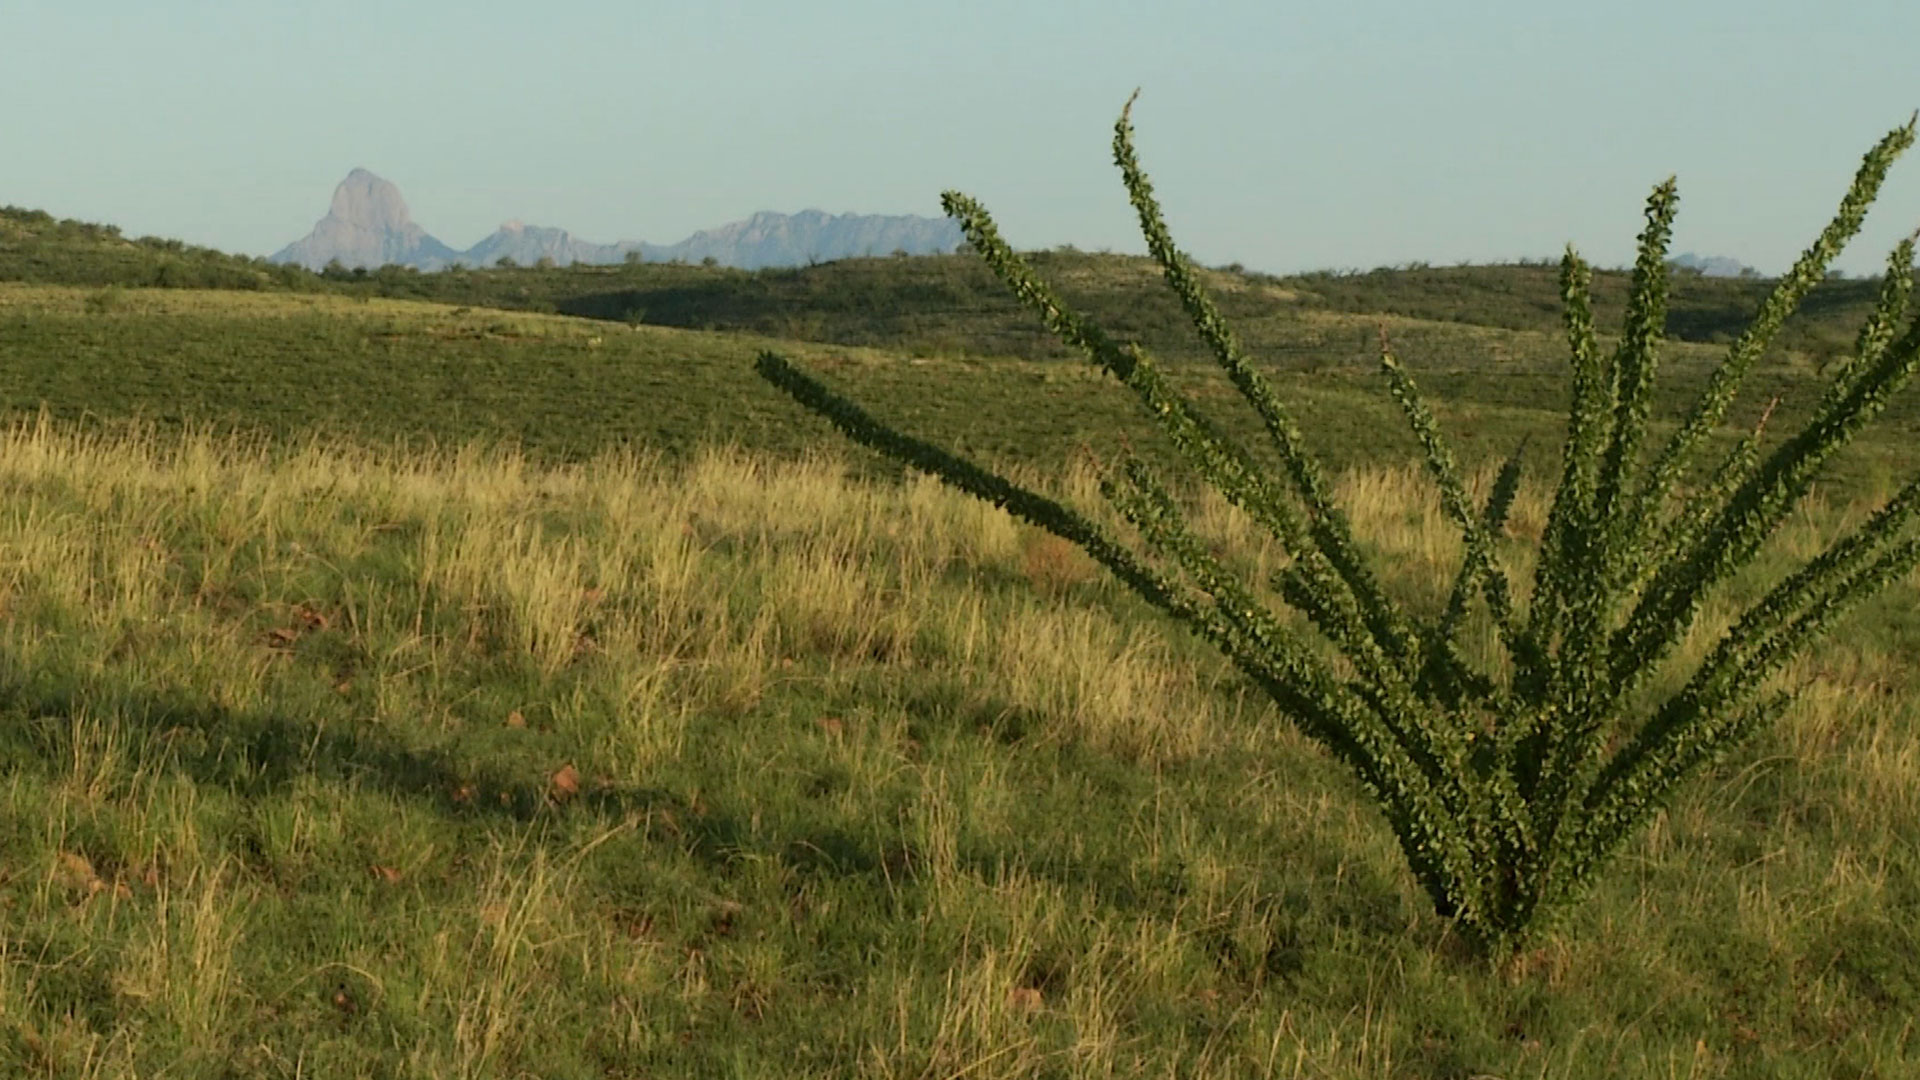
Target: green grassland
562 389
409 688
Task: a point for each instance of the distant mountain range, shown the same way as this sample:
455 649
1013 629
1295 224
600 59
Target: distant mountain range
369 225
1711 265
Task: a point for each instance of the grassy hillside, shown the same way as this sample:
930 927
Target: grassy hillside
37 248
563 389
950 305
1527 297
337 763
386 372
282 364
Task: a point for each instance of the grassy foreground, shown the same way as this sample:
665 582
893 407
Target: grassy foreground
321 761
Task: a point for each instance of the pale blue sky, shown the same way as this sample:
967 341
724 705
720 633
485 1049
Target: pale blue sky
1285 136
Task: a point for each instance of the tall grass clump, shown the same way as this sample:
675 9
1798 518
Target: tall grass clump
1510 773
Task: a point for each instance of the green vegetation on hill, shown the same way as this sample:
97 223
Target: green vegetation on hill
563 389
948 305
39 248
1526 296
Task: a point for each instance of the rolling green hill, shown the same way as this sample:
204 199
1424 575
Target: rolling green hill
37 248
563 389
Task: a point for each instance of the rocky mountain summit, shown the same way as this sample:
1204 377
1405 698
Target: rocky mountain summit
369 226
769 239
528 244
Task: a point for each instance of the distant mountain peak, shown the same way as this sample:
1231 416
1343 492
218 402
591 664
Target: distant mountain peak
367 224
366 200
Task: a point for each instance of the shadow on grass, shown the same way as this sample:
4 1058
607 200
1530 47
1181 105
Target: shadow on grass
258 753
255 753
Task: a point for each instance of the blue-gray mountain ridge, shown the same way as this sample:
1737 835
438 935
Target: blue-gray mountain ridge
1712 265
368 225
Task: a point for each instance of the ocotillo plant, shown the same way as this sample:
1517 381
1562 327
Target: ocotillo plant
1508 784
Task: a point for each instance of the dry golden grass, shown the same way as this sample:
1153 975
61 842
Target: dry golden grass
634 606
